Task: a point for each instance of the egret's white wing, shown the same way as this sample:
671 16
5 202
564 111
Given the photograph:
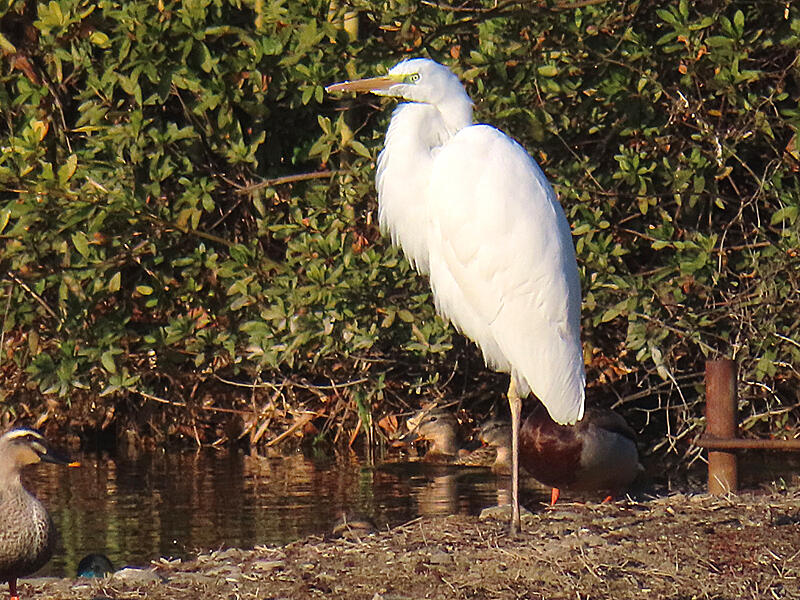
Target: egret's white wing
502 265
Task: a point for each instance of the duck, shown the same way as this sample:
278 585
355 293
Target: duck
496 436
598 453
495 449
353 527
95 565
440 429
27 533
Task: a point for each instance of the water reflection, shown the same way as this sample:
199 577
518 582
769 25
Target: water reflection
175 504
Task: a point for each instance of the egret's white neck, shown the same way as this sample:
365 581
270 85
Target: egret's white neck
415 132
430 125
456 113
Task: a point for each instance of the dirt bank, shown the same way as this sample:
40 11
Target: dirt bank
674 547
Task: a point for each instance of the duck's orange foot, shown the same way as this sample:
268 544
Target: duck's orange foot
555 493
607 499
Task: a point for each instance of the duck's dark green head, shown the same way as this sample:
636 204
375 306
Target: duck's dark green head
95 565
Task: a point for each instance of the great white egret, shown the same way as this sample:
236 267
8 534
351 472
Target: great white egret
471 209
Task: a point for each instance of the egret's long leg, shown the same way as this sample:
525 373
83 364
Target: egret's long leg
515 405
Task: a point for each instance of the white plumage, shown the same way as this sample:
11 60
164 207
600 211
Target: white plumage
472 210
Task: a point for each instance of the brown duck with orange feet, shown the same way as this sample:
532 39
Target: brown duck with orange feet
597 453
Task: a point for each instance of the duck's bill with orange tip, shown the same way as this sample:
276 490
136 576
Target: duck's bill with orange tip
58 458
372 84
401 440
412 437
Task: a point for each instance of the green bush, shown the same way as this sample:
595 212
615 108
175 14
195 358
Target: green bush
156 244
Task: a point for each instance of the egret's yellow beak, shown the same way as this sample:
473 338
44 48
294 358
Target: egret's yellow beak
373 84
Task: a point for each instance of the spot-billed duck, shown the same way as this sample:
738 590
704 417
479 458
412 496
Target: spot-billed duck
495 436
27 534
440 429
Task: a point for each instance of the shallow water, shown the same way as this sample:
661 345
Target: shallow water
176 504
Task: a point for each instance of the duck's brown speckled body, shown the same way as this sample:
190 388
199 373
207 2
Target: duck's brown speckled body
27 534
495 453
440 429
597 453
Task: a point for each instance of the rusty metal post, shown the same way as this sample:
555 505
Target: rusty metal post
721 422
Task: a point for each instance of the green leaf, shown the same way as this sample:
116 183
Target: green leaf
787 213
581 229
666 16
5 215
547 71
107 359
6 46
613 312
207 63
738 21
405 316
718 41
67 170
360 149
81 243
114 282
98 38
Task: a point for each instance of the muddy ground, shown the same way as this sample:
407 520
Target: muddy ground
679 546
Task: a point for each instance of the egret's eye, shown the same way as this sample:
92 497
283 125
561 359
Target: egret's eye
412 77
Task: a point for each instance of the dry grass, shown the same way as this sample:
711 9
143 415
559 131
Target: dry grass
674 547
